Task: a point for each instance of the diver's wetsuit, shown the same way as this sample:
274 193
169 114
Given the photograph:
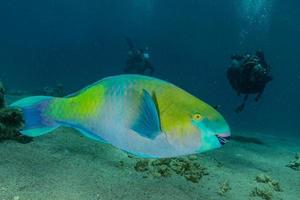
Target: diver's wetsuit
138 65
137 61
248 75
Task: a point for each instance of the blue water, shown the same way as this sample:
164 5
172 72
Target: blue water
75 43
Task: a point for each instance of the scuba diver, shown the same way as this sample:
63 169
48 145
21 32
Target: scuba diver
138 60
249 74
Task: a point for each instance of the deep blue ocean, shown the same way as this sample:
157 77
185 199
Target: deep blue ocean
77 42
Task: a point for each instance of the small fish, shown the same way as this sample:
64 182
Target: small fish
141 115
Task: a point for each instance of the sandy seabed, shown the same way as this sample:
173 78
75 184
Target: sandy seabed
64 165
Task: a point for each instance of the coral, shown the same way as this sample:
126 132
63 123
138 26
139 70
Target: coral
12 118
268 180
264 189
295 164
142 165
263 193
191 170
11 121
163 170
186 167
224 188
262 178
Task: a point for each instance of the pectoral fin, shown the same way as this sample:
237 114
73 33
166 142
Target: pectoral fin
147 123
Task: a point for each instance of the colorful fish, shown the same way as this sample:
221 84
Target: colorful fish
142 115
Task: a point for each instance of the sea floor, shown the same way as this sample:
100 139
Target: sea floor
64 165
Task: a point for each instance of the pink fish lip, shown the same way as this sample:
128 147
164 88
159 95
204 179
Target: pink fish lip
223 138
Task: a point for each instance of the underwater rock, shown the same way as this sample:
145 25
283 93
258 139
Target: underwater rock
188 167
263 193
295 164
11 118
262 178
224 188
11 121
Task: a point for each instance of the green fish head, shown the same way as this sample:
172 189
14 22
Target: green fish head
193 126
212 127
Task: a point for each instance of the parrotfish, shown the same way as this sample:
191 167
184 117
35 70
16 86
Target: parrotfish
142 115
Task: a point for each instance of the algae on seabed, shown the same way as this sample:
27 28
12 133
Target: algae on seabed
188 167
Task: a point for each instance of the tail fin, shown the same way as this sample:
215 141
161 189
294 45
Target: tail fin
36 120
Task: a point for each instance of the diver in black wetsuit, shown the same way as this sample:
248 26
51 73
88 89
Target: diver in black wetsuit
138 60
249 74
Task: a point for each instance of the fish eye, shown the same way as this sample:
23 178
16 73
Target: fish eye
197 117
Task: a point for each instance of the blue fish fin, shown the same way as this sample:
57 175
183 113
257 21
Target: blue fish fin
90 135
147 123
85 132
36 121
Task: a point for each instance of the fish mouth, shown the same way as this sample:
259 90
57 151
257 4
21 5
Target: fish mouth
223 138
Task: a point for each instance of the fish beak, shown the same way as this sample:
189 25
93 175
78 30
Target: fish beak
223 138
